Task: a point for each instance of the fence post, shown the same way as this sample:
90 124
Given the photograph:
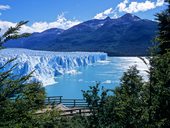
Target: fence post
74 103
60 99
48 100
80 111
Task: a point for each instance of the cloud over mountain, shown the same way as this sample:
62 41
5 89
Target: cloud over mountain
129 7
133 7
104 14
61 22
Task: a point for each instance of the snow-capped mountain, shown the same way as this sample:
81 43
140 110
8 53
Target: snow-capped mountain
36 39
126 35
89 25
129 18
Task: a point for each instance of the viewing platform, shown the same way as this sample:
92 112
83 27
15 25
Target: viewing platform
67 107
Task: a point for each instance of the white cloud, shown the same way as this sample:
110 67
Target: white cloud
129 7
115 15
159 2
122 5
133 7
4 7
104 14
61 22
4 25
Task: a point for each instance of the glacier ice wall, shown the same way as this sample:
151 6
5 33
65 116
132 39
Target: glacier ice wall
47 65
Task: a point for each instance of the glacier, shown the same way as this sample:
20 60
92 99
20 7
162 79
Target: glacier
47 65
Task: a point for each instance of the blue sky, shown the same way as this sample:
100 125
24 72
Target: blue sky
44 14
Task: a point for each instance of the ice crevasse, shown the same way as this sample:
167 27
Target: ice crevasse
47 65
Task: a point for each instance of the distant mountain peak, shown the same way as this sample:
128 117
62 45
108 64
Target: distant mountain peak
126 35
107 18
129 16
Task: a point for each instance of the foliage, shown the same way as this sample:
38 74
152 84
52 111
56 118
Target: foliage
129 100
160 90
13 33
135 103
101 106
160 74
164 29
18 99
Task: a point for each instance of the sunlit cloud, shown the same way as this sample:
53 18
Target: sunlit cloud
104 14
108 12
129 7
61 22
133 7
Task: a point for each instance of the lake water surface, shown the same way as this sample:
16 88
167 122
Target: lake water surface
108 73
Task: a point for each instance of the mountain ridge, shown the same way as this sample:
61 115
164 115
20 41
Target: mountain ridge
128 35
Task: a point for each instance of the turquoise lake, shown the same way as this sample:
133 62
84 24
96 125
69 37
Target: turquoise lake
108 73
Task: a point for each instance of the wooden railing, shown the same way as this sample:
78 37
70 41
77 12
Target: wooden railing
78 111
74 106
54 100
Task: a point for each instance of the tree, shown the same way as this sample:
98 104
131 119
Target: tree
13 33
159 74
19 100
129 101
163 38
160 90
155 93
137 103
101 106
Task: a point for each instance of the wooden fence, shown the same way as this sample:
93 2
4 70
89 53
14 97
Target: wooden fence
76 106
54 100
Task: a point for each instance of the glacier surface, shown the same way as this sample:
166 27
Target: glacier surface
47 65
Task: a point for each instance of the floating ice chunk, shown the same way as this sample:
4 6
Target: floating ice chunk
73 72
104 62
107 82
80 80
